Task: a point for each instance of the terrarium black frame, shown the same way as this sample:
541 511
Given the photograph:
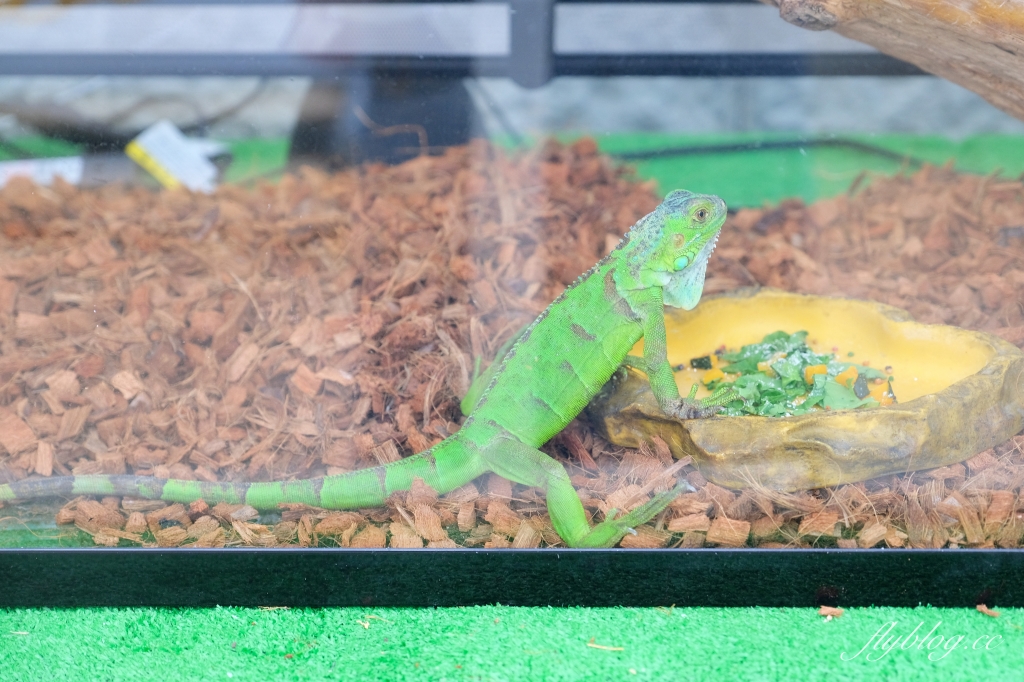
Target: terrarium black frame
555 577
390 577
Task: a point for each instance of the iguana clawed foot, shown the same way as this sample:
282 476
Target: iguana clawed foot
691 408
610 531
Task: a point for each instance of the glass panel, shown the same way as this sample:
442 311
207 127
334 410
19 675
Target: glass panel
249 276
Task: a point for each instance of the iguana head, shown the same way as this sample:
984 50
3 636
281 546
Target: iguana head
680 235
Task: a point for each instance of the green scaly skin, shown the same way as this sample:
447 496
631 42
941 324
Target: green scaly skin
547 377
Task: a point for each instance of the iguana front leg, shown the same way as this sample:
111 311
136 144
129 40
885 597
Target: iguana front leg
659 372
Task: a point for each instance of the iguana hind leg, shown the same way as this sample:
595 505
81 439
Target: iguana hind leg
523 464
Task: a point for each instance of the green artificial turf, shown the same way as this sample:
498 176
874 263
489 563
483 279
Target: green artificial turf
37 146
507 643
754 178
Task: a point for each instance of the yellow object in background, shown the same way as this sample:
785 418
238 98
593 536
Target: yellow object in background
139 155
173 159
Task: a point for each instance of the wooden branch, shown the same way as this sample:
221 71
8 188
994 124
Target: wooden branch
978 44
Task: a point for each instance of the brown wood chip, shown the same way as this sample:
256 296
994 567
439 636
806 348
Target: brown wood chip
215 538
66 514
91 516
503 520
467 516
447 543
198 508
981 461
497 542
136 523
304 532
428 524
645 538
72 422
1000 507
822 523
305 381
766 527
244 513
285 532
692 540
626 498
43 463
171 536
690 522
691 503
404 537
728 532
721 498
15 434
526 537
202 526
336 523
173 514
370 537
871 534
421 494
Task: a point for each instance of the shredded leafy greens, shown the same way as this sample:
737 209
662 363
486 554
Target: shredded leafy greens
778 388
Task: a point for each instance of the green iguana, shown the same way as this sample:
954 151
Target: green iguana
547 377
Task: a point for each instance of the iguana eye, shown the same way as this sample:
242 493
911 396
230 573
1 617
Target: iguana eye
701 214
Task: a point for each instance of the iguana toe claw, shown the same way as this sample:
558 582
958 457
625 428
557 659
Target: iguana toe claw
692 409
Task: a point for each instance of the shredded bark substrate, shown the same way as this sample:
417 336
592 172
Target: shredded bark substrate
330 322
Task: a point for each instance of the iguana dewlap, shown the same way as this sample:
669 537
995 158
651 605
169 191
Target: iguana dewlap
547 377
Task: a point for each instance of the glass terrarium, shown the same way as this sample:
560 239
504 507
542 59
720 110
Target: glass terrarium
391 276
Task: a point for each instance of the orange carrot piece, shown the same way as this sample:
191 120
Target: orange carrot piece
847 377
809 372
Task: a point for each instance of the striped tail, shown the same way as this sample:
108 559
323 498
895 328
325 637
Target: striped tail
354 490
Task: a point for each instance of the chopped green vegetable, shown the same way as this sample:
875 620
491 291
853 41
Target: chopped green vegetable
838 397
770 378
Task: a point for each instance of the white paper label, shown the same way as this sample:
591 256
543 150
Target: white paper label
43 171
172 158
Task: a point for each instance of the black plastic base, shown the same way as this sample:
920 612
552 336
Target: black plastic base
347 577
